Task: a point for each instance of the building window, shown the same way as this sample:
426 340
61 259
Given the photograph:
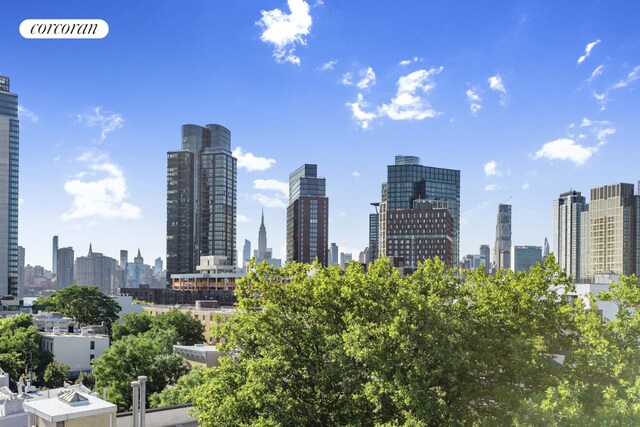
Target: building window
92 345
91 357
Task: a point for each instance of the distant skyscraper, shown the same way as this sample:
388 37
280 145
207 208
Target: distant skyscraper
96 270
54 252
157 267
545 249
345 259
246 253
567 214
124 258
374 224
307 216
264 253
409 182
525 257
485 251
65 267
9 149
334 255
201 199
613 230
138 273
502 248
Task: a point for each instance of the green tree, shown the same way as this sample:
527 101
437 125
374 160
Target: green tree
132 324
180 393
147 354
320 346
87 379
188 329
87 304
55 374
20 348
601 385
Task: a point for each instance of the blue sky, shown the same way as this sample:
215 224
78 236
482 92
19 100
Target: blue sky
495 89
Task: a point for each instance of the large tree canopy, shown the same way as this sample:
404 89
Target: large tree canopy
188 329
320 346
87 304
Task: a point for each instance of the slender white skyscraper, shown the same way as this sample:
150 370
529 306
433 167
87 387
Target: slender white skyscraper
567 214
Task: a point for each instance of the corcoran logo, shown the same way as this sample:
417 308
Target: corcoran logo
64 29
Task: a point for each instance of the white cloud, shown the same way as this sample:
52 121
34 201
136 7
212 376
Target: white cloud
103 196
242 218
597 72
20 201
56 159
368 78
525 186
474 100
600 129
271 184
406 62
495 83
492 187
587 51
631 77
565 149
407 105
286 30
107 121
491 169
601 98
356 174
251 162
362 118
328 65
347 79
270 201
25 112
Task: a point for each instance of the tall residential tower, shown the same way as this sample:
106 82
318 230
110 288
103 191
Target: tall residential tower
9 147
307 216
201 199
567 214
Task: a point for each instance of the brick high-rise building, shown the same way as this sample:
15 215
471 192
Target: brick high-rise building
307 216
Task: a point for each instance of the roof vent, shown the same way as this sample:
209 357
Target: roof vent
72 398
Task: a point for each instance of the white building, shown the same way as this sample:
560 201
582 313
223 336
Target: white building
199 354
46 321
567 216
71 408
75 350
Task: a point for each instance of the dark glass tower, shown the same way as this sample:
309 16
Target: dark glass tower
408 181
201 198
307 216
9 149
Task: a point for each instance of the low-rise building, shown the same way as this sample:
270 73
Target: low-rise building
199 354
206 312
75 349
71 408
46 321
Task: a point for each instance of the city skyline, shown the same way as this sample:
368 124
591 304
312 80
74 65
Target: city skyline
521 105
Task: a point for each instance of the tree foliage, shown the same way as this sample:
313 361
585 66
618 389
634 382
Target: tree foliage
149 354
180 393
20 348
55 374
188 329
321 346
87 304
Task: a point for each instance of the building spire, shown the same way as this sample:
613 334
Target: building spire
90 250
139 255
262 224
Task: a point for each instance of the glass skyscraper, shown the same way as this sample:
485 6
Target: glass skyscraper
502 248
9 150
201 199
408 181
